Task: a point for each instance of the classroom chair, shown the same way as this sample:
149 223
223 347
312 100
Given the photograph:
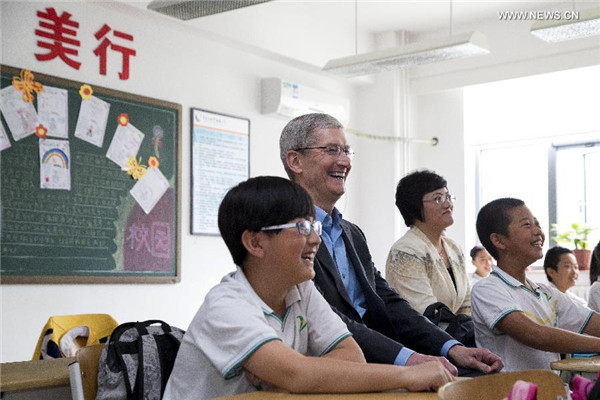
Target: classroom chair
497 386
83 373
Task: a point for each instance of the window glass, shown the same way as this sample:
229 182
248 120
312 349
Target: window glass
577 188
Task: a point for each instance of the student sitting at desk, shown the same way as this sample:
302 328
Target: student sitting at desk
562 271
526 323
594 300
265 325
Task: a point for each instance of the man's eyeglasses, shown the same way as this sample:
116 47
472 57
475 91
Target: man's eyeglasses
305 227
333 150
442 198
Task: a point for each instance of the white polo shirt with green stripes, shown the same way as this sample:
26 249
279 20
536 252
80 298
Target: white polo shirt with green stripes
233 322
500 294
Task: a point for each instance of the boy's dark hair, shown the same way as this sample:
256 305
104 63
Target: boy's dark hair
595 264
475 250
553 257
410 191
257 203
494 218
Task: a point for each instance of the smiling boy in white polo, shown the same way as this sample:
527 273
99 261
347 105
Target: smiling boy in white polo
265 325
526 323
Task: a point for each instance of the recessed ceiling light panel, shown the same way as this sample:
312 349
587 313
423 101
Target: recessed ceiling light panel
448 48
190 9
553 31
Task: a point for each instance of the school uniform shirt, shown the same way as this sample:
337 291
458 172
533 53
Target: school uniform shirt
594 297
474 277
233 322
500 294
571 295
417 272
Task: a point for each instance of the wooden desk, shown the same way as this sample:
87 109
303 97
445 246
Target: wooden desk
31 379
577 364
353 396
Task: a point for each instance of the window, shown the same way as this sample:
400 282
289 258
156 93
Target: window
575 190
536 138
559 183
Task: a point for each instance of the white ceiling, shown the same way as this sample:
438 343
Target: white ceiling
312 32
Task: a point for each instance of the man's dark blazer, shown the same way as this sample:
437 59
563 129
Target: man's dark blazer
390 320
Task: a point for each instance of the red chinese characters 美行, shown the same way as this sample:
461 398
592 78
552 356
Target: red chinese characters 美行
101 50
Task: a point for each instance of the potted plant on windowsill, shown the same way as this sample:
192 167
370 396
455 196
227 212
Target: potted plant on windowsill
577 235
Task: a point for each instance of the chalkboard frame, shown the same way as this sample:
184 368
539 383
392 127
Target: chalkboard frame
148 276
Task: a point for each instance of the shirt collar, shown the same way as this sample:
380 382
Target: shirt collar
321 214
510 281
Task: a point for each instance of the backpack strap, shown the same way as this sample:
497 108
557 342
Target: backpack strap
118 351
148 353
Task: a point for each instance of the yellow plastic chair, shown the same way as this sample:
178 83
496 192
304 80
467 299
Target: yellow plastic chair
63 335
497 386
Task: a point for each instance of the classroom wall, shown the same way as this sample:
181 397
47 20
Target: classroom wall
441 115
173 64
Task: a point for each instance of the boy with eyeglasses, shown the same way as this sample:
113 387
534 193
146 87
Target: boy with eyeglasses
265 325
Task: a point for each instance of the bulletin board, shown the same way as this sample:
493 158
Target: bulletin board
220 160
111 222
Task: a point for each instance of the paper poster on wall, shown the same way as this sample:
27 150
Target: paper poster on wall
126 142
53 111
220 160
4 140
19 115
55 164
91 123
148 190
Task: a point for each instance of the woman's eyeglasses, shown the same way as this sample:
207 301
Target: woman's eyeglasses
442 198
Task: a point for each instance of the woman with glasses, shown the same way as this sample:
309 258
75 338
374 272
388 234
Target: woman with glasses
425 266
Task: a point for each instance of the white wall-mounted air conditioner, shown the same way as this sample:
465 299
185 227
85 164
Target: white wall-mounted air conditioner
290 100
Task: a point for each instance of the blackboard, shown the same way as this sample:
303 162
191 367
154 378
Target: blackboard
96 231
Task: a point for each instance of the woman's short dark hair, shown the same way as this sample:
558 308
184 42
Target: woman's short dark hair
494 218
257 203
553 257
595 264
475 250
410 192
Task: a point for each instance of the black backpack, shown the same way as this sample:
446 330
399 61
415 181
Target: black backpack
137 360
460 326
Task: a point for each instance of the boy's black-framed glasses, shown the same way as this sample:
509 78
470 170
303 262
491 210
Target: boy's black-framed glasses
305 227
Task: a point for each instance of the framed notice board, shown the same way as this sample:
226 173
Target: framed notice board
89 191
220 160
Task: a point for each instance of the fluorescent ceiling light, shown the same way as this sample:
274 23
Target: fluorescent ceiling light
448 48
583 24
190 9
